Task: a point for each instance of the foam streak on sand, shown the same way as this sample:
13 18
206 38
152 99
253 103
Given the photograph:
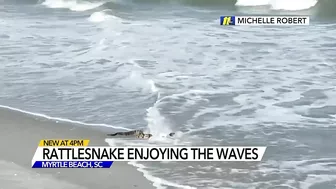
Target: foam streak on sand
23 132
158 182
57 119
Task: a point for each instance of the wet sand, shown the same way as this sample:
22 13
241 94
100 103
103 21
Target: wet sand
20 134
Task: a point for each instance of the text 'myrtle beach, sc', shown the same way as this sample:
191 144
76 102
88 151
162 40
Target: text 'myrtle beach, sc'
75 153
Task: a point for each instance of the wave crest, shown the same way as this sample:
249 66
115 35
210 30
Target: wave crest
73 5
280 4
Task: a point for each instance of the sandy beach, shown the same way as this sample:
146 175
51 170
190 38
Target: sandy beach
20 135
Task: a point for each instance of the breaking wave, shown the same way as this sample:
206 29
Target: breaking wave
280 4
72 4
307 7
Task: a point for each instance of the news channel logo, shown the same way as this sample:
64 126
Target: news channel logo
227 20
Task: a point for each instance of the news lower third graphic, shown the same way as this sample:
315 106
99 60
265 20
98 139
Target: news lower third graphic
264 20
66 154
69 153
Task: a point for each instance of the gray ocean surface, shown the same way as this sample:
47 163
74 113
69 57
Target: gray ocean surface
169 66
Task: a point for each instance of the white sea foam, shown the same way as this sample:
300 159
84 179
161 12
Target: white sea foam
280 4
159 183
58 119
157 124
99 17
136 80
74 5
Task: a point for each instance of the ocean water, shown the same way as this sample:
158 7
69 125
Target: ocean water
168 66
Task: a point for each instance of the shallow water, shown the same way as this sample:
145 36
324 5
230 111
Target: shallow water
168 66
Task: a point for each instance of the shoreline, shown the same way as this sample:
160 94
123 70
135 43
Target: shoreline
21 133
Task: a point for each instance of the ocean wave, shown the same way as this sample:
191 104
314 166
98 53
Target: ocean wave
77 5
280 4
73 5
99 16
320 8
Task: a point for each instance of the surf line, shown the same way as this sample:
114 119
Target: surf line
62 119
